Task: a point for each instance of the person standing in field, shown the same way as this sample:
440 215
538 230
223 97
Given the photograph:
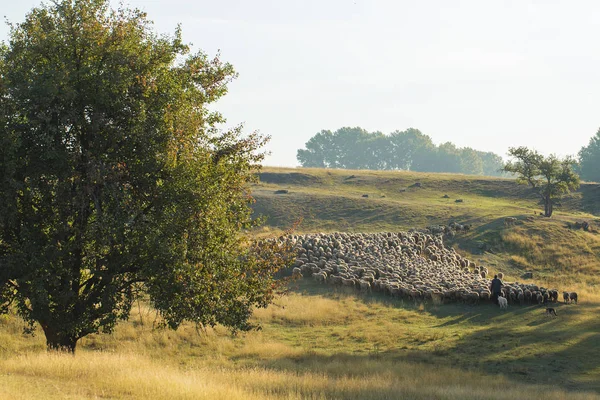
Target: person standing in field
496 288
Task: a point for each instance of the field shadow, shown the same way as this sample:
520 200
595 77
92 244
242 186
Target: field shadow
522 343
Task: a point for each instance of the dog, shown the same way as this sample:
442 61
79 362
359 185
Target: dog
551 312
503 303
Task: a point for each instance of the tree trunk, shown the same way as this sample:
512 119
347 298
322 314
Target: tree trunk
59 341
547 206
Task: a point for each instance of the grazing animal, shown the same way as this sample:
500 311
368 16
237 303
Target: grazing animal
503 303
550 312
540 298
508 221
566 297
573 297
521 298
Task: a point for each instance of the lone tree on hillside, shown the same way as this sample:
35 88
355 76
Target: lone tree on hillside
116 179
550 176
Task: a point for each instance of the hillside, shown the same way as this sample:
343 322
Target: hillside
326 342
332 200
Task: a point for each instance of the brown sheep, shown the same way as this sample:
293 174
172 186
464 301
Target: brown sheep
521 298
566 297
527 294
573 297
540 298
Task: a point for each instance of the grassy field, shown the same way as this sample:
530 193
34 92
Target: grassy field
321 343
332 200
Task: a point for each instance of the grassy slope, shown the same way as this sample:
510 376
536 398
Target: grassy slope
331 200
322 343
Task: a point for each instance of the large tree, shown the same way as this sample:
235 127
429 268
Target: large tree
550 176
589 159
116 179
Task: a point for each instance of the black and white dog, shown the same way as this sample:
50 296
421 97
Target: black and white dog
550 311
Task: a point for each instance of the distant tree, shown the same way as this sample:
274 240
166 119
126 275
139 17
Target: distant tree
349 147
589 159
448 158
376 151
409 150
470 161
318 152
550 176
116 179
492 163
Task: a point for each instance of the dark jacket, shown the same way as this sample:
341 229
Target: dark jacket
496 285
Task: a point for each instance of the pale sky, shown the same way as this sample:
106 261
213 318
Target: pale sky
484 74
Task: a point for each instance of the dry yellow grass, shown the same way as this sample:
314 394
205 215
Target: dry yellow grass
131 376
316 344
321 343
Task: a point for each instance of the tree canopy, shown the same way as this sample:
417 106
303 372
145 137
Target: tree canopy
550 176
589 159
116 179
355 148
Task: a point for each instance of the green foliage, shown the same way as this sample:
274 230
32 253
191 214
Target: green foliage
116 179
355 148
550 176
589 159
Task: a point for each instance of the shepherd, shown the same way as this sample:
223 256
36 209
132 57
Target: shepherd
496 288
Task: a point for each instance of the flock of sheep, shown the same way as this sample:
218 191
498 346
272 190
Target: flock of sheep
411 265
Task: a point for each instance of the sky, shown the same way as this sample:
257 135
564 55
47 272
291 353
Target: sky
484 74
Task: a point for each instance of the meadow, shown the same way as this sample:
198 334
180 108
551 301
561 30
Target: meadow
319 342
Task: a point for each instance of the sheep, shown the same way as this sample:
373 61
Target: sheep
566 297
347 282
528 295
509 221
521 298
503 303
573 297
413 265
539 298
296 273
365 286
320 277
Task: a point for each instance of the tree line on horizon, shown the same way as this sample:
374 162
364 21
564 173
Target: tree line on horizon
411 150
356 148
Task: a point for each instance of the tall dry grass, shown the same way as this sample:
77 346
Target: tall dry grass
315 344
130 376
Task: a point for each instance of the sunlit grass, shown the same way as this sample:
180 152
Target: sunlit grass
344 346
326 343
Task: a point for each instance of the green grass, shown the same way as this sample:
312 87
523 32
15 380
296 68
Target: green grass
331 200
325 343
